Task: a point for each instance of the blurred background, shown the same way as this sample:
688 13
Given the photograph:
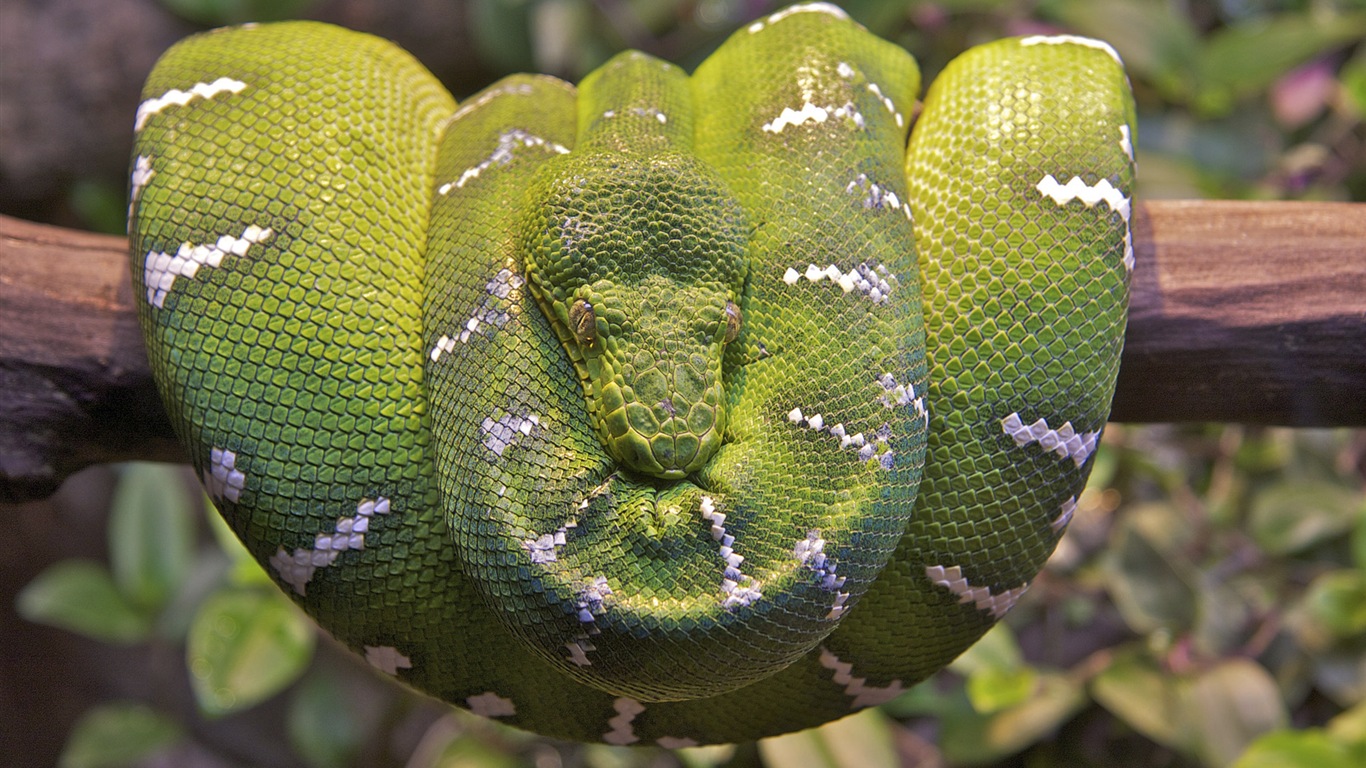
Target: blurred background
1206 608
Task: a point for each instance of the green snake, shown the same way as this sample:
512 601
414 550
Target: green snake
666 409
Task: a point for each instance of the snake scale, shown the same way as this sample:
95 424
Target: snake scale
665 409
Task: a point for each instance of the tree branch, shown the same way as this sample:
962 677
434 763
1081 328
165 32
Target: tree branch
1241 311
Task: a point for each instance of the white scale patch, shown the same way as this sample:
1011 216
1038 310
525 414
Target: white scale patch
640 112
493 311
502 155
386 658
1089 42
864 695
887 102
490 704
873 281
810 552
740 590
221 478
951 578
825 8
160 270
1126 142
297 569
623 732
498 435
903 394
591 599
1091 195
176 97
1064 517
519 89
543 548
1065 441
876 196
812 113
142 174
877 446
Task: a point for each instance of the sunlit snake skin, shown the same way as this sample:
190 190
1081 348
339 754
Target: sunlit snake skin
602 411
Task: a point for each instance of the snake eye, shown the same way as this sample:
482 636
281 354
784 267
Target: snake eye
583 323
732 322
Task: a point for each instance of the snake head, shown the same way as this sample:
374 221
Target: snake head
639 264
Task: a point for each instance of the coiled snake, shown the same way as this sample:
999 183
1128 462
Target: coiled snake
665 409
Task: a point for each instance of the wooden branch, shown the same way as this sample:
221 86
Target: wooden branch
1246 312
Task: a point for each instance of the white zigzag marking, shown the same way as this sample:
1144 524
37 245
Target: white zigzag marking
221 478
490 704
160 270
502 155
297 569
1090 194
1065 441
810 552
873 281
1089 42
386 659
499 434
1065 513
813 113
491 312
864 695
622 732
951 578
180 98
774 18
142 174
740 590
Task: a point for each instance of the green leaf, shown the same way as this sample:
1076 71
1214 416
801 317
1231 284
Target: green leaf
978 738
80 596
324 728
246 645
245 570
1157 42
1288 518
1337 601
858 741
1149 583
997 688
1231 705
1134 690
1247 58
151 534
116 735
1310 748
1353 77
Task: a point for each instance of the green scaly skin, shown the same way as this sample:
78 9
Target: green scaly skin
603 411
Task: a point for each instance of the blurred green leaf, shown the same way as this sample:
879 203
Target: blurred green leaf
1232 704
245 570
1353 78
981 738
1149 583
1290 517
1311 748
80 596
217 13
1148 699
151 535
101 206
1157 42
1246 58
324 728
117 735
502 34
246 645
1337 601
859 741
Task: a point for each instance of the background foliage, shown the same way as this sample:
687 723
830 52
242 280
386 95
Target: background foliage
1206 608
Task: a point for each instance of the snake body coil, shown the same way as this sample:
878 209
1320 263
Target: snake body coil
666 409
